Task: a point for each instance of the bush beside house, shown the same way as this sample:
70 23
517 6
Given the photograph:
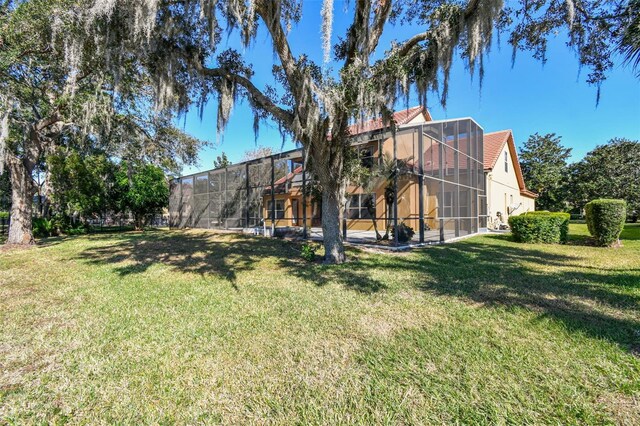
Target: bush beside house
605 220
540 227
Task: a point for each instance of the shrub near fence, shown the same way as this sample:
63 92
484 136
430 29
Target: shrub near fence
605 220
540 227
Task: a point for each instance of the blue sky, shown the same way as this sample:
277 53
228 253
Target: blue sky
526 98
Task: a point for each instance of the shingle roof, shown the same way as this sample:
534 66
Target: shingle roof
400 117
494 143
289 176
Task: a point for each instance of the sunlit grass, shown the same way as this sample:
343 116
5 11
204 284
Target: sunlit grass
198 327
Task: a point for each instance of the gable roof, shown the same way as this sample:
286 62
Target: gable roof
400 117
494 143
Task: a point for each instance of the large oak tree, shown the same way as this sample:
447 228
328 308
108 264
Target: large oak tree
60 89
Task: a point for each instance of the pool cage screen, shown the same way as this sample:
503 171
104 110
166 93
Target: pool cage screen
428 176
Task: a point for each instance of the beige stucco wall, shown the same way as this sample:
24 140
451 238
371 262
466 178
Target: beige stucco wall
503 190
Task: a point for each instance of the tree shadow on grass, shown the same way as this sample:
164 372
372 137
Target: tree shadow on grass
355 274
601 303
223 255
490 271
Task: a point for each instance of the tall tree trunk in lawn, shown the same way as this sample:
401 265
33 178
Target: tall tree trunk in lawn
331 213
328 156
139 222
20 228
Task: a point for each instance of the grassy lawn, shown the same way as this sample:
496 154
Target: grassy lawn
198 327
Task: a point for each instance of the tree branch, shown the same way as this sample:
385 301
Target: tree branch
304 91
363 37
257 96
360 21
271 18
471 8
49 121
380 19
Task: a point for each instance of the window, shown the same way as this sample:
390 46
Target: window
361 206
279 209
506 161
464 203
366 157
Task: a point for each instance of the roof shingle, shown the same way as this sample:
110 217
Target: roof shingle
400 117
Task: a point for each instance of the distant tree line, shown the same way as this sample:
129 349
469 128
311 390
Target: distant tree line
611 170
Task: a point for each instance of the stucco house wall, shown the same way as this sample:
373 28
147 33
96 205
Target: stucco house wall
506 191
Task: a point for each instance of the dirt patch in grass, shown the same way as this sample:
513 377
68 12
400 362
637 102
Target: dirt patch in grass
5 248
625 409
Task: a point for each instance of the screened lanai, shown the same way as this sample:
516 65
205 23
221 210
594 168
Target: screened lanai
428 176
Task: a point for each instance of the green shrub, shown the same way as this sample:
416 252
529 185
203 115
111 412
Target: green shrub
4 215
605 220
308 252
42 227
60 222
540 227
79 230
405 232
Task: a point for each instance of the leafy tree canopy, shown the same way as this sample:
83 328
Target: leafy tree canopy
544 166
81 184
145 190
257 152
221 161
5 192
609 171
61 88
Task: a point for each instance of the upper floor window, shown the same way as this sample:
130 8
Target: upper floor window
366 156
506 161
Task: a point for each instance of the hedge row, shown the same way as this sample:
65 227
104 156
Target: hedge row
605 220
540 227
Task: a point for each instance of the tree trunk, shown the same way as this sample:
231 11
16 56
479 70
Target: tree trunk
331 214
139 222
20 228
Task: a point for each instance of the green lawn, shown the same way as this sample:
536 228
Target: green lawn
197 327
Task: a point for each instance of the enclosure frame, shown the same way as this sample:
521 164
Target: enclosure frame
274 194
